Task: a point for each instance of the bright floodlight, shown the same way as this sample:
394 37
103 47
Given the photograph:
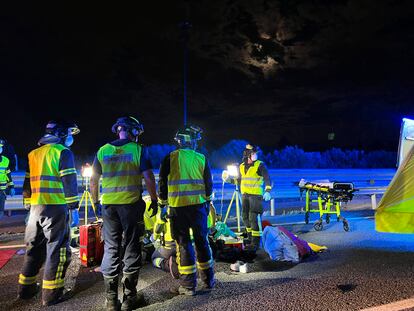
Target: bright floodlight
87 171
233 170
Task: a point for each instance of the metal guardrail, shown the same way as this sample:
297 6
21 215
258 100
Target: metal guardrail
372 192
370 182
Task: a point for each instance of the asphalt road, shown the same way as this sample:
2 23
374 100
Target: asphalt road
361 269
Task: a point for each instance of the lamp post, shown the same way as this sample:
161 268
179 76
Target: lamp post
185 27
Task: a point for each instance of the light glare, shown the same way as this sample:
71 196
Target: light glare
233 170
87 171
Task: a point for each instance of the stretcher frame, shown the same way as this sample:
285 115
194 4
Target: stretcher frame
328 203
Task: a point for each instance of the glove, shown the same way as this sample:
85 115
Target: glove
98 208
154 207
163 212
267 196
74 213
225 177
27 206
12 192
74 205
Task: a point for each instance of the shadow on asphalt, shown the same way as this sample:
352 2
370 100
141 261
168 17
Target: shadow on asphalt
86 279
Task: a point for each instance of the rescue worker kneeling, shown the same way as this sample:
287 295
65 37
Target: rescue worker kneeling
49 191
165 254
185 184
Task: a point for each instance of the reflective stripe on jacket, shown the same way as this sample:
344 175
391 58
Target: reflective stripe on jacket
121 174
45 176
4 170
186 179
251 182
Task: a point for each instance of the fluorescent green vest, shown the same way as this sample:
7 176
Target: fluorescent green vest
185 181
121 175
45 176
251 182
4 170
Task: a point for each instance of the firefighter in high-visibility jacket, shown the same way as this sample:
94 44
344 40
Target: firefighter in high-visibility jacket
6 182
122 164
255 186
50 191
185 185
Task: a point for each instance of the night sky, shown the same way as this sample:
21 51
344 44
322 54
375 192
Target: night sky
275 73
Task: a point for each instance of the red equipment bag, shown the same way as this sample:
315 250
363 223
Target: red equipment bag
91 244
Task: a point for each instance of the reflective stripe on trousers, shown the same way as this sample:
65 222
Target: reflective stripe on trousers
47 240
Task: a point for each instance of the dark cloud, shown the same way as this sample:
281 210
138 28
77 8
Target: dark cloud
272 72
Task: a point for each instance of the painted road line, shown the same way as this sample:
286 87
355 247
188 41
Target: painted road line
394 306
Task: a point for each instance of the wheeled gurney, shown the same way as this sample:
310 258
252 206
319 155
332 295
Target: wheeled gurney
329 196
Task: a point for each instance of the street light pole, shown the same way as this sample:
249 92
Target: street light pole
185 27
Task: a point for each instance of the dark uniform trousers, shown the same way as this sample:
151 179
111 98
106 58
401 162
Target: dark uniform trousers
2 202
161 257
252 210
47 241
123 230
182 220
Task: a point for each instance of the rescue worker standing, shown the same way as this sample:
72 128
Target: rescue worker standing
50 190
122 164
254 176
185 184
9 153
6 182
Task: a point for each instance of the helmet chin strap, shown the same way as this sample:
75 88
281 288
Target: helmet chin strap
131 137
49 139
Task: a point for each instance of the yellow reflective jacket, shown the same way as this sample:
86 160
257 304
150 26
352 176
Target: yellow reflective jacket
186 178
149 221
45 176
251 182
121 174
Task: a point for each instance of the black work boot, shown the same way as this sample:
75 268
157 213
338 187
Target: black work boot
181 290
253 246
256 241
111 290
247 237
52 297
131 298
28 291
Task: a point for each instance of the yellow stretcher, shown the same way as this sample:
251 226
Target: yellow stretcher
329 196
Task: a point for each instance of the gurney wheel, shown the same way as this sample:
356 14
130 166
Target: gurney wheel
328 218
318 225
306 217
346 225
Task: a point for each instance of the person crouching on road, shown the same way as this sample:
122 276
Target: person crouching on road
122 164
253 177
50 191
6 182
185 184
165 254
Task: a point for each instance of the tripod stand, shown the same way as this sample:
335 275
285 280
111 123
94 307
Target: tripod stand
236 197
87 199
